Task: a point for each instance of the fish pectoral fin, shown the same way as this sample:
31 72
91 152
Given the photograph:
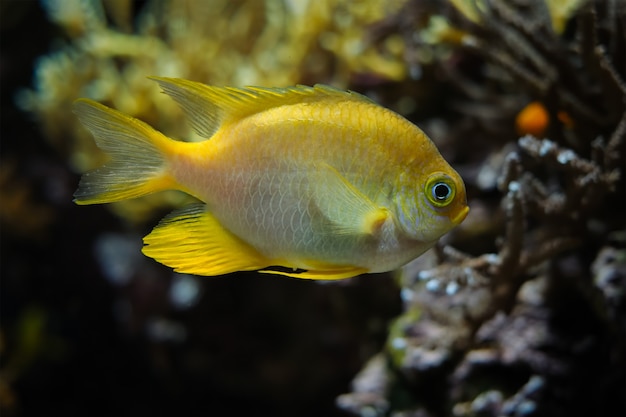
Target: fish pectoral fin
192 241
347 209
333 273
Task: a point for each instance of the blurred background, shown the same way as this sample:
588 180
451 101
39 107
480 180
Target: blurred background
520 311
92 328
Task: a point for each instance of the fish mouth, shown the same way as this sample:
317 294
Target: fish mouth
461 215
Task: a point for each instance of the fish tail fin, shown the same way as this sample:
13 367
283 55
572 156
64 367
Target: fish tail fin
138 164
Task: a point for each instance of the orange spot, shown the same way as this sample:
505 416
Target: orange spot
532 120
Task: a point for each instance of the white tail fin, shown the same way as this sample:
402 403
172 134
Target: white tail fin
138 165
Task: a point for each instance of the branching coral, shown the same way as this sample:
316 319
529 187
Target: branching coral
506 333
577 77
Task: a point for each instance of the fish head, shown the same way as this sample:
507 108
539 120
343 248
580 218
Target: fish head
434 207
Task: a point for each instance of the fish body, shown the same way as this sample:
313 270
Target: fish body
305 178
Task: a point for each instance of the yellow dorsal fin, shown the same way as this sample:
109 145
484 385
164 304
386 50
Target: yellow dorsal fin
192 241
209 107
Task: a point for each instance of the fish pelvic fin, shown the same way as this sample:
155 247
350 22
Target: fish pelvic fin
192 241
137 166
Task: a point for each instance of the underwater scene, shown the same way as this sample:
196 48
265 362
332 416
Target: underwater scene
372 208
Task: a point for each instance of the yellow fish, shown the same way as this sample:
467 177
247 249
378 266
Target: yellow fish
308 182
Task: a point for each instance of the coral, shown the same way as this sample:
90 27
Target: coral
531 328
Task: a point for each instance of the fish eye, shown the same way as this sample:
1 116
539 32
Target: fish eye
440 190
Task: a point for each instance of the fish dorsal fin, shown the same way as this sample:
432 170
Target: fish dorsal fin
347 209
209 107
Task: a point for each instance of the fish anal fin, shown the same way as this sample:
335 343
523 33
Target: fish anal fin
192 241
332 273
